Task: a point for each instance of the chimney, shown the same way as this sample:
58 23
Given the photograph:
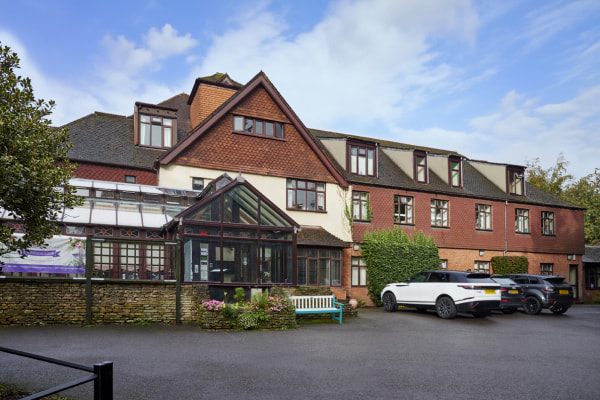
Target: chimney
208 94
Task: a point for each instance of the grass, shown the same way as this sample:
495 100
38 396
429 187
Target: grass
8 392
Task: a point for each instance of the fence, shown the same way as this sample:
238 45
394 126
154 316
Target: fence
102 375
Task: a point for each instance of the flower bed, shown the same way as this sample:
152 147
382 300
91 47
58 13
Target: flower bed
263 312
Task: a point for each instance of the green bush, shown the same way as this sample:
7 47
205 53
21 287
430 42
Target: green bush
229 311
240 294
509 265
392 256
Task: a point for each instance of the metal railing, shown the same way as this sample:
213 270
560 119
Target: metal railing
102 375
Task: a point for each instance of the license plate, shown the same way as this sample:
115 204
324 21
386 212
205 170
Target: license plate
563 291
490 291
513 291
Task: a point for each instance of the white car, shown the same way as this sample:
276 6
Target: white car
446 292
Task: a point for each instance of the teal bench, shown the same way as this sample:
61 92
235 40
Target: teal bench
318 305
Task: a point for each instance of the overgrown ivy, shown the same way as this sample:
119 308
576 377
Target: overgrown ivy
510 265
392 256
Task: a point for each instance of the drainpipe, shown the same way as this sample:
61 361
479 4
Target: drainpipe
505 239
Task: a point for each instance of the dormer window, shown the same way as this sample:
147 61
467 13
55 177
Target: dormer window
155 126
362 159
420 167
155 131
515 180
455 171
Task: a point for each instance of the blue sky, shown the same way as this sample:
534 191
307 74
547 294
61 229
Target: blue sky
503 81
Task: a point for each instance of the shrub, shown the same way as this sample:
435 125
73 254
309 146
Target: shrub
248 320
240 294
229 311
392 256
509 265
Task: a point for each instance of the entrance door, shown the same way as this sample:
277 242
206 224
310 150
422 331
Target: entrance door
573 280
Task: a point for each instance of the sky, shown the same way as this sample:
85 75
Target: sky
506 81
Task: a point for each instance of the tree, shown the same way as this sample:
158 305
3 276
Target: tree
584 192
392 256
33 174
552 180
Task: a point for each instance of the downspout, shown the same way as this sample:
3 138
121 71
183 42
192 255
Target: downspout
505 233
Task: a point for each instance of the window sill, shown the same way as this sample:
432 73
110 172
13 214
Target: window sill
305 210
440 227
404 224
484 230
523 233
551 235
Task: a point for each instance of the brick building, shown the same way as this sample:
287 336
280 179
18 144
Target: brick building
257 199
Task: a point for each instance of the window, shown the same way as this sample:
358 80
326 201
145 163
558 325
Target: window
546 269
155 131
592 276
483 217
439 213
403 209
130 260
305 195
454 167
515 181
521 220
319 267
420 160
547 223
362 159
482 266
130 179
258 127
360 206
197 183
359 272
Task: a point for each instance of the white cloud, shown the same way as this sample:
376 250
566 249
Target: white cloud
520 130
364 60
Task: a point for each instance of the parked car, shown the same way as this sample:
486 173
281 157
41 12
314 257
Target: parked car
544 291
512 295
446 292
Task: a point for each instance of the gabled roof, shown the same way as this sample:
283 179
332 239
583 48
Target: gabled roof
592 254
260 80
223 184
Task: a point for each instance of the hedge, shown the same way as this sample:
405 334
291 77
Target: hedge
510 265
392 256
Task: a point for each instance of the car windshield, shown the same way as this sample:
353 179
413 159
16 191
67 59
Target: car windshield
503 281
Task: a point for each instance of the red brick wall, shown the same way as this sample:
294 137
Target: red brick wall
461 234
114 174
222 149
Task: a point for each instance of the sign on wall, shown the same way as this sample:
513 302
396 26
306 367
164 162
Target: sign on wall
62 255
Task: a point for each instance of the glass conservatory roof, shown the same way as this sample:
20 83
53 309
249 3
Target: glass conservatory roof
124 204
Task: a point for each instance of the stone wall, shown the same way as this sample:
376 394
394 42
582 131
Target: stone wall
63 301
274 320
51 301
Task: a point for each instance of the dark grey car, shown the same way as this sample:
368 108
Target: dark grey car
544 291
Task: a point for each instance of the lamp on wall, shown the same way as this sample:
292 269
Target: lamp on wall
356 246
569 256
481 252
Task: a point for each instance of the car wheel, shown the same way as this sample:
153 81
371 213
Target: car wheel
445 307
560 310
508 311
532 305
389 302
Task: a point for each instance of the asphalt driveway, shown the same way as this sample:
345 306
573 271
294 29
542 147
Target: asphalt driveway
377 355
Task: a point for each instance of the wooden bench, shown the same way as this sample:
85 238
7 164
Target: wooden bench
318 305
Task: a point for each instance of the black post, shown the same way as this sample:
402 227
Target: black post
103 384
89 264
178 284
